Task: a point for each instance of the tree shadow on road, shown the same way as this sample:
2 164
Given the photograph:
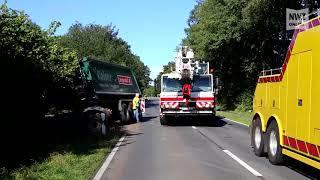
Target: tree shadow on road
129 138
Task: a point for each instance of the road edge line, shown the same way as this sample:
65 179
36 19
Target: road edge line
107 162
236 122
245 165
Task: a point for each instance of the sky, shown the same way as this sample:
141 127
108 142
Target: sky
153 28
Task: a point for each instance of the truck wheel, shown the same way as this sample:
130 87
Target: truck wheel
163 121
257 139
95 124
125 114
273 145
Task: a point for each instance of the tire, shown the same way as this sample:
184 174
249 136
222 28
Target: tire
273 146
257 139
124 114
163 121
95 126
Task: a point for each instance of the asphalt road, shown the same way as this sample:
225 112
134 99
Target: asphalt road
193 150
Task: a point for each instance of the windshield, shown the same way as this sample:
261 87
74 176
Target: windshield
202 84
171 85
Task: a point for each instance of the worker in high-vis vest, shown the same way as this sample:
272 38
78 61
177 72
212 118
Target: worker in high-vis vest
136 107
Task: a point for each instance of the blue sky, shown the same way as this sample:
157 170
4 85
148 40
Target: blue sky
153 28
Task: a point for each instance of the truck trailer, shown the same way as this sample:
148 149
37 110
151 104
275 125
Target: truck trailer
107 89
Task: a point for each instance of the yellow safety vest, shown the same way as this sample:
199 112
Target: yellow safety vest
135 102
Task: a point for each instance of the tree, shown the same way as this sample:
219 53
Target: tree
32 57
102 43
240 38
33 64
149 92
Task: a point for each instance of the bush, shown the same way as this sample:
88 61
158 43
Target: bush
149 92
33 65
244 102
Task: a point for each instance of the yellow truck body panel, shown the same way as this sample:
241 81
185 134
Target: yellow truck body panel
292 96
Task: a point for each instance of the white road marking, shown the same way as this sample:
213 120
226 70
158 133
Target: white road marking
254 172
194 127
236 122
107 162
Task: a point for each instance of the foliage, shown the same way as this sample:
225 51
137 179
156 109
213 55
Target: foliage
33 64
79 159
102 42
244 102
238 116
240 38
39 71
149 92
23 42
34 60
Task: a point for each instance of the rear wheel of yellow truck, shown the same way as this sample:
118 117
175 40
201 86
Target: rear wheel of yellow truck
273 145
257 139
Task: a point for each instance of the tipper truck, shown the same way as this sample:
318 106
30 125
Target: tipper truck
187 91
287 102
107 89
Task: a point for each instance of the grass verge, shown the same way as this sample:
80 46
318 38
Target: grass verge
241 117
78 160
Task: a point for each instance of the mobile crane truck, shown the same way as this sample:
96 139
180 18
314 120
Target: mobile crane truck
287 102
187 91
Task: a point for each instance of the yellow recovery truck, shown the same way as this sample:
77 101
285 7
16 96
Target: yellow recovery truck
287 102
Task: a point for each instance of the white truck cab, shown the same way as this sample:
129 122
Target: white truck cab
189 90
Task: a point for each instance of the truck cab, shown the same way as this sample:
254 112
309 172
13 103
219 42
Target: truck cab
188 91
